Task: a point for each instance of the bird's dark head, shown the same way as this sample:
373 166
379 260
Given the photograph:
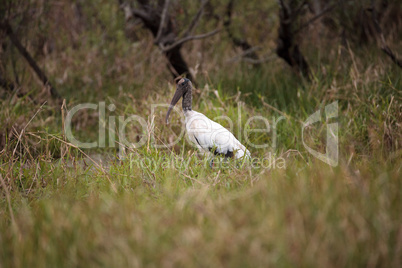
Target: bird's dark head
183 84
183 89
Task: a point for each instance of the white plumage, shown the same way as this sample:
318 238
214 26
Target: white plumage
210 136
206 134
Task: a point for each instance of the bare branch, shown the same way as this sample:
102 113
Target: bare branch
162 28
316 17
384 47
16 42
259 61
196 19
299 9
250 51
188 38
131 12
141 14
391 54
162 24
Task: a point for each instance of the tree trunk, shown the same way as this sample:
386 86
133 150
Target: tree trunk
286 48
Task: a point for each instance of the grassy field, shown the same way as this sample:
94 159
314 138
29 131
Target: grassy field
62 206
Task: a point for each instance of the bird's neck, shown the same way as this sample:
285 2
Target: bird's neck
187 100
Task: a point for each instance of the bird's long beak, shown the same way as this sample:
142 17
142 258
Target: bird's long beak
177 95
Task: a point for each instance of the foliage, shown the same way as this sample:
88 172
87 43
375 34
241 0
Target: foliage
62 206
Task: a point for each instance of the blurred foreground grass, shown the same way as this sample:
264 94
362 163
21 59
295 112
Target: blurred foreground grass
193 216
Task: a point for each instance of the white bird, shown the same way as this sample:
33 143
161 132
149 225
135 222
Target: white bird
206 134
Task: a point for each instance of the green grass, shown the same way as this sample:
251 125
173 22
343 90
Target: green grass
304 215
161 207
168 208
61 206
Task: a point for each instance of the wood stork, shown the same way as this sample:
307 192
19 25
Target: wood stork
206 134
